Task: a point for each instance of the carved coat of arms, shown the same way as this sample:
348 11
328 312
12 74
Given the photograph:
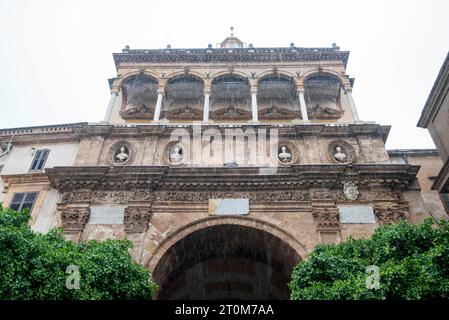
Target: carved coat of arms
351 191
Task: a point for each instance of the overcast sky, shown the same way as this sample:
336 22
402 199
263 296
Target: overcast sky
56 56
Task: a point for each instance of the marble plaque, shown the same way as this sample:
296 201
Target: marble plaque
356 214
106 214
238 206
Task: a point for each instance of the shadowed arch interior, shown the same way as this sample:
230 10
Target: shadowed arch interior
226 262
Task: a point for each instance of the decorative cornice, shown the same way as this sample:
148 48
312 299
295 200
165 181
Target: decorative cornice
436 97
413 152
25 178
284 131
41 134
397 176
220 55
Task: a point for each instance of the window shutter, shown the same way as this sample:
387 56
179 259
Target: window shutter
21 201
39 159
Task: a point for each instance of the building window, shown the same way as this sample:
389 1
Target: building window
24 200
445 200
1 167
39 159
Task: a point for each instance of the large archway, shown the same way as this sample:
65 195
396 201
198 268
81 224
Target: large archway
226 261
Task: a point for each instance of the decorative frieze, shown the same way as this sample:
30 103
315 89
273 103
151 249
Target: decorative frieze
257 197
76 196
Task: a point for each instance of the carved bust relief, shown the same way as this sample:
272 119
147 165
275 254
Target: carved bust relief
340 151
121 153
176 153
285 156
287 153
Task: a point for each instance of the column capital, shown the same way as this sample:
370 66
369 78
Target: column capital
115 91
161 89
347 88
300 89
207 90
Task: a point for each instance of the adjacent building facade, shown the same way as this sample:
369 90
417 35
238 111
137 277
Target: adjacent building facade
224 166
434 117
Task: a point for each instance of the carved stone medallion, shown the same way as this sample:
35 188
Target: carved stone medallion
121 153
351 191
287 153
340 151
176 153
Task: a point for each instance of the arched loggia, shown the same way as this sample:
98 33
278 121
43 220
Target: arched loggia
276 97
184 98
323 92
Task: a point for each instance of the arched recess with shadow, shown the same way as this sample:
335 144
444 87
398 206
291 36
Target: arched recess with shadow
139 95
230 98
227 260
184 98
276 98
323 94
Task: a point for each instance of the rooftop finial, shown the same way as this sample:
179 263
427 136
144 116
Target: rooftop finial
232 31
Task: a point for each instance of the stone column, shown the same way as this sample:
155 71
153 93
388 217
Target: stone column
302 105
111 104
206 105
254 104
355 115
157 111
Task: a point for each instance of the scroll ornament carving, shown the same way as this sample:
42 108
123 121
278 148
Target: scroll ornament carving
326 218
260 197
321 194
388 214
110 197
74 219
76 196
136 219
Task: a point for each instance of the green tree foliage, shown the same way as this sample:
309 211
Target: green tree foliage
413 262
34 265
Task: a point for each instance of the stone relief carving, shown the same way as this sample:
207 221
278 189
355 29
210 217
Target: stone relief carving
288 153
391 213
74 219
340 151
339 155
258 197
136 219
321 194
325 112
76 196
176 154
326 218
351 191
285 156
99 196
121 153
